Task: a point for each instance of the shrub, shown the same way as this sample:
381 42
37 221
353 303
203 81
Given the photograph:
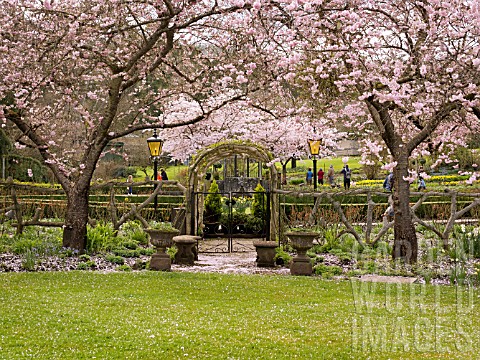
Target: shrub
124 268
327 271
259 202
296 181
466 158
281 256
126 253
213 204
147 251
255 225
82 266
87 265
42 241
84 257
114 259
129 244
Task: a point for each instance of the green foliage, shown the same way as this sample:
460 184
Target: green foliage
296 181
327 271
114 259
124 268
129 244
254 225
466 157
147 251
124 171
127 253
466 242
87 265
331 240
172 251
281 256
213 203
84 257
259 202
82 266
369 266
29 260
165 226
41 241
458 274
102 237
17 167
133 230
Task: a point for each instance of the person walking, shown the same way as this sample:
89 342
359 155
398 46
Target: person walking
388 183
309 176
331 175
347 174
130 188
320 176
421 184
163 174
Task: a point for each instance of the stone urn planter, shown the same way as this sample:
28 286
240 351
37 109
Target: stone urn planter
301 242
265 252
161 239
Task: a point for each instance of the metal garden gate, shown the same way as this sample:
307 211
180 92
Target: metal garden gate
237 227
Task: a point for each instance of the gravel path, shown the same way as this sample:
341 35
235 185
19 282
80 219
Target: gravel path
230 263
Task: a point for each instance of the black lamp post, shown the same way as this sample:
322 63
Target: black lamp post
155 146
314 147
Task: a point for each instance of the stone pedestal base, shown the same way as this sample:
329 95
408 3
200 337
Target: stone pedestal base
301 266
160 262
265 253
186 253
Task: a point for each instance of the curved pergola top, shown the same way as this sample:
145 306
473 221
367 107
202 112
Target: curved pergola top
212 154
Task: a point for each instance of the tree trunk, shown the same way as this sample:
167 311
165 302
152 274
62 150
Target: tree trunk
405 245
284 174
76 218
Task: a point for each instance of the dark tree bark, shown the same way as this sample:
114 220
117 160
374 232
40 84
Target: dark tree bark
405 246
76 218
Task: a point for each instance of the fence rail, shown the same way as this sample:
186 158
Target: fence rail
355 209
323 208
32 205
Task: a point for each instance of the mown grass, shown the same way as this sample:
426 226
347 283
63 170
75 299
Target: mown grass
149 315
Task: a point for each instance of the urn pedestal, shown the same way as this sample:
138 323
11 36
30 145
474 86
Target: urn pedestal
186 249
161 239
265 253
301 242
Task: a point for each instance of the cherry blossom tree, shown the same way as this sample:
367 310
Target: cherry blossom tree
77 75
407 69
281 126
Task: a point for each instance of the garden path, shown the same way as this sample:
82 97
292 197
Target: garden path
230 263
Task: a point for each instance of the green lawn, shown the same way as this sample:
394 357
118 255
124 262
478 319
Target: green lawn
149 315
336 162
